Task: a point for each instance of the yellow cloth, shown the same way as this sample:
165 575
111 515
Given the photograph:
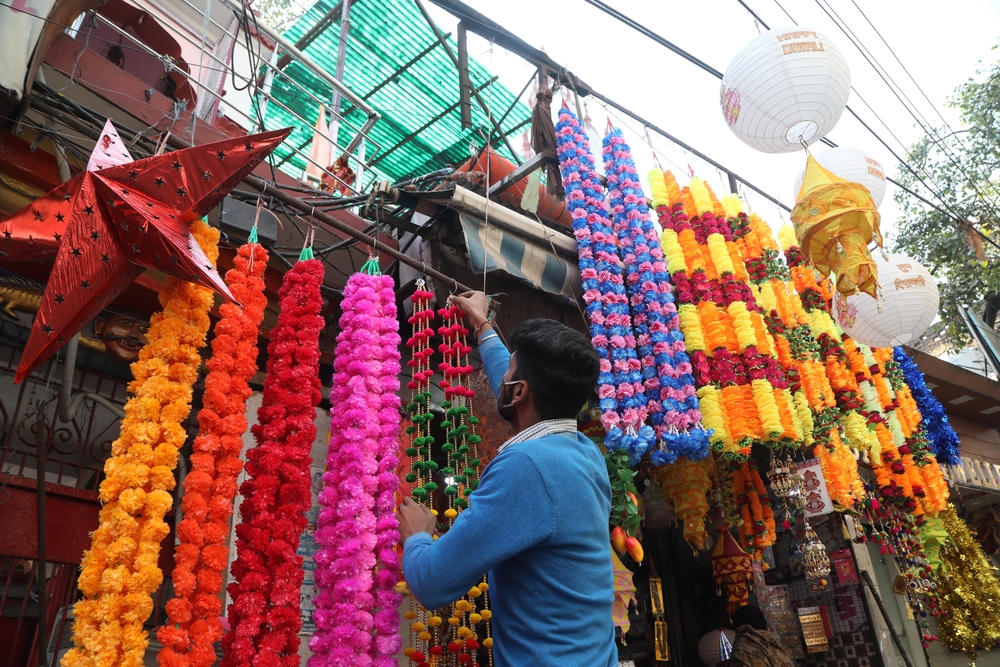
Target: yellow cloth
835 221
624 593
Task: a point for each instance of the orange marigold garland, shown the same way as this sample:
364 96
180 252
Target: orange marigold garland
923 467
193 625
741 385
119 573
798 351
757 530
854 419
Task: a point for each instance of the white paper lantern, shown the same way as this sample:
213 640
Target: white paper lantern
908 297
853 164
786 85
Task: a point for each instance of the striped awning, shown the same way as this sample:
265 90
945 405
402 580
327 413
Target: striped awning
534 261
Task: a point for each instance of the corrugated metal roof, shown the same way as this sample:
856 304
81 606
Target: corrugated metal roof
385 35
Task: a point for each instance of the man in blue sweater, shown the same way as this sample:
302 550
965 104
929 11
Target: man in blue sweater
538 523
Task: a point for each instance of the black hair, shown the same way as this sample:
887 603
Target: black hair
750 615
559 364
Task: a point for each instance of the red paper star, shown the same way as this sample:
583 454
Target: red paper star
35 231
124 219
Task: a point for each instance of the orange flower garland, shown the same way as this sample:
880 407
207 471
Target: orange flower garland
858 432
757 530
742 388
120 572
922 464
798 352
193 627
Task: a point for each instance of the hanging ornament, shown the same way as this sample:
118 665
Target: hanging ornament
120 571
907 304
815 562
265 611
201 557
125 219
35 232
357 565
835 222
786 87
851 164
731 568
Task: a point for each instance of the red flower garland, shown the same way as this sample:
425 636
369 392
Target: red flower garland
264 616
193 624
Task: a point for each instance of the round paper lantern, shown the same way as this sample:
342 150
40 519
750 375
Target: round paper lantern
786 86
712 649
852 164
908 300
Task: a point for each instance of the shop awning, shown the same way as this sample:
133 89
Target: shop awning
499 239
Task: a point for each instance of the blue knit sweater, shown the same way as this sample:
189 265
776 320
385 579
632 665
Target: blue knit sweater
538 523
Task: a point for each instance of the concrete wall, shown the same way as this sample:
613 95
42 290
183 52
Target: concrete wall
978 441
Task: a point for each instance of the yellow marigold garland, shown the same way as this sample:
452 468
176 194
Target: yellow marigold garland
798 351
119 573
739 378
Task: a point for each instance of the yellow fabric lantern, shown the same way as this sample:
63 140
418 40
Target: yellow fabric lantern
835 221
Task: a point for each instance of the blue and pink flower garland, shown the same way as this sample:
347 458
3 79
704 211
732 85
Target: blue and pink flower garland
666 369
621 390
943 439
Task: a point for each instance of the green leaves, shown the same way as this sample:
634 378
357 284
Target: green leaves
624 511
963 167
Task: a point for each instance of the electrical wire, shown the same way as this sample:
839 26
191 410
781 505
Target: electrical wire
687 56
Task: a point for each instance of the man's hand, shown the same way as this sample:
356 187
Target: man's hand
414 518
474 305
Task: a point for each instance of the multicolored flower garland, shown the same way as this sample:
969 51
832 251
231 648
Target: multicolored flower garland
666 368
357 565
119 573
422 468
264 615
743 390
943 439
798 351
621 389
193 625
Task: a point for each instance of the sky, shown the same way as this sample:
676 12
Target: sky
940 44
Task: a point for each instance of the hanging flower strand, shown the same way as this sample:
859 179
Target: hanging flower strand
357 566
119 573
265 614
621 390
193 625
666 368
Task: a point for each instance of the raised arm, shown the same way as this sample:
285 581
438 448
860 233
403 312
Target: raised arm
495 356
509 513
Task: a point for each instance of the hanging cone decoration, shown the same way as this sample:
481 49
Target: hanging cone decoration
125 219
835 221
731 568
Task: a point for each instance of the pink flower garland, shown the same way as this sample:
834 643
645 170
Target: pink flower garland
357 565
265 615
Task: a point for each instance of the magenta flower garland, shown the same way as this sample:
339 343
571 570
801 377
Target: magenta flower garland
666 368
357 566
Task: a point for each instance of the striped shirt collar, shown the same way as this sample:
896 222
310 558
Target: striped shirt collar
541 429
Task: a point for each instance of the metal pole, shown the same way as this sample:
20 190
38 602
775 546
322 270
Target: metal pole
475 91
41 441
881 607
345 26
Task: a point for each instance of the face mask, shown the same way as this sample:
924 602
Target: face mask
505 401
